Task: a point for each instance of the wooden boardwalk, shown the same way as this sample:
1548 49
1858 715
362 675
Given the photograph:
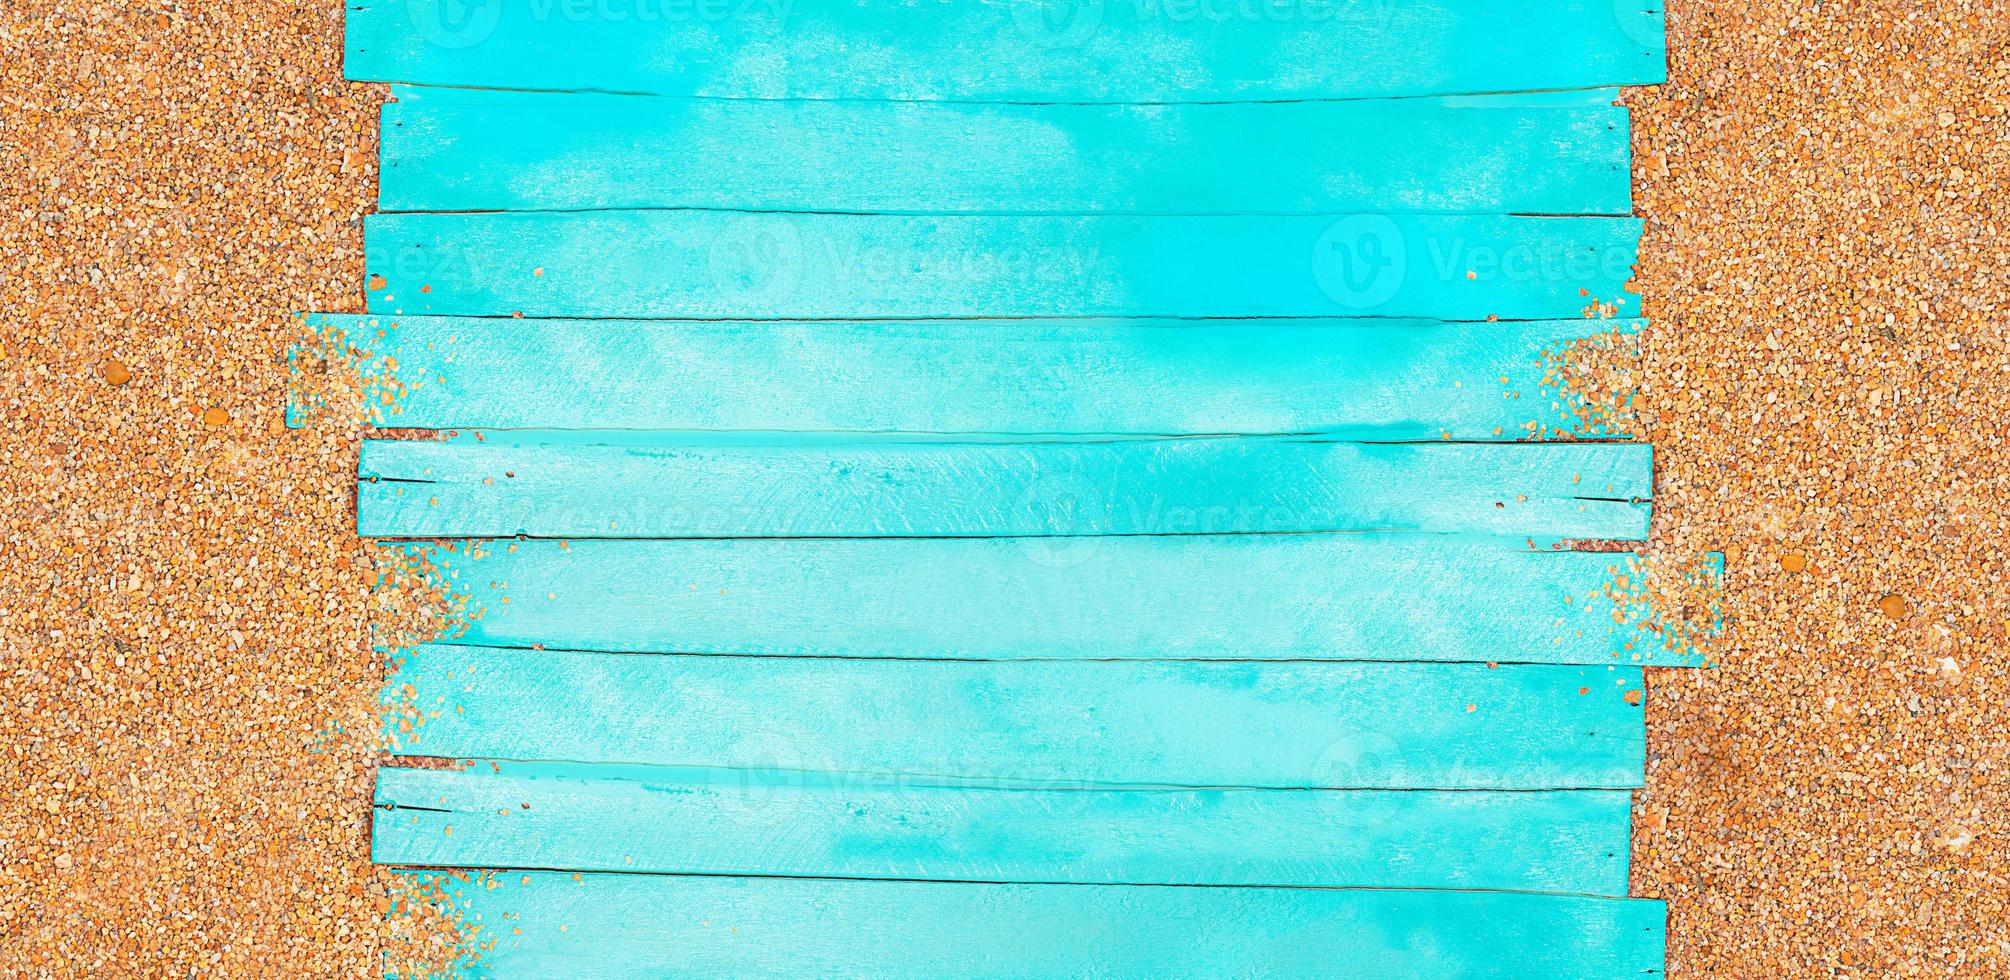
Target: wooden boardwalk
1012 487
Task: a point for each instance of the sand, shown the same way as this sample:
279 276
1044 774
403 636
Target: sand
186 682
1829 390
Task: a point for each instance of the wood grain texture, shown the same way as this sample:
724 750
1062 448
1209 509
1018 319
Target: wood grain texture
1035 724
542 925
982 50
724 264
464 150
610 818
878 486
1362 378
1320 596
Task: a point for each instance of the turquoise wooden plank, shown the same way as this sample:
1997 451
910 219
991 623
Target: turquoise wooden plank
1545 99
514 151
1035 724
537 924
1328 597
877 486
611 818
1575 98
722 264
979 50
1364 378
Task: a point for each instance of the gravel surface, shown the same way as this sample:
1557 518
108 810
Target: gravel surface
186 688
183 606
1828 390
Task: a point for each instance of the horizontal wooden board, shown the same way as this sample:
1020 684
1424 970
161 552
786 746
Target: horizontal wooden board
515 151
1322 596
1573 98
1363 378
537 924
878 486
981 50
611 818
1034 723
725 264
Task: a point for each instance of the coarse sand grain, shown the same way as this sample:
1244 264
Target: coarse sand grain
1827 385
188 696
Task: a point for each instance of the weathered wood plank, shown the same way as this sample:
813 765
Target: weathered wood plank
1572 98
1034 723
1362 378
1326 597
723 264
877 486
981 50
515 151
536 924
613 818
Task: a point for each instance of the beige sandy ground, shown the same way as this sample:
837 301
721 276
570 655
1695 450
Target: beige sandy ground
183 659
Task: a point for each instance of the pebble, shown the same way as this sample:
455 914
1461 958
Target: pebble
188 687
1827 374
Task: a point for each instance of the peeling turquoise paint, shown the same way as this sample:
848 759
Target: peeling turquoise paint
1365 379
770 265
513 151
619 819
542 924
1046 723
1012 50
953 470
1363 596
849 486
